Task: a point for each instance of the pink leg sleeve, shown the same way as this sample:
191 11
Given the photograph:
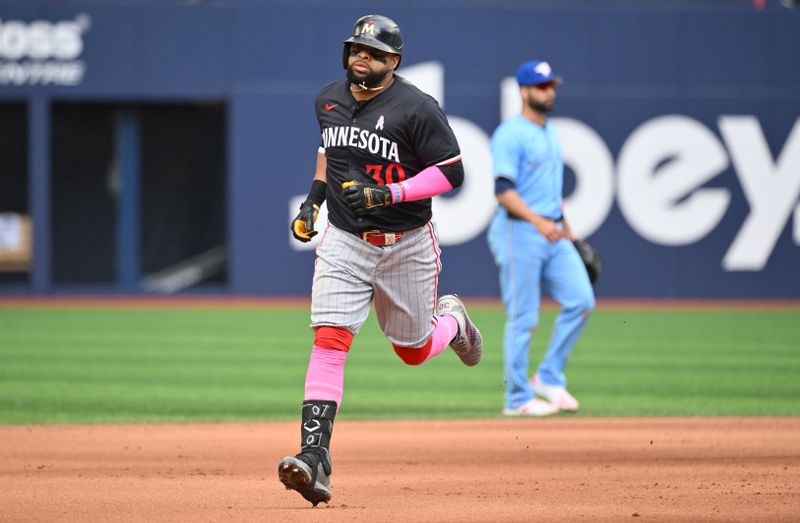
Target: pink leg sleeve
325 376
442 335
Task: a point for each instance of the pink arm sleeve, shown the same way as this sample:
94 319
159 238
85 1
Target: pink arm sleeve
427 183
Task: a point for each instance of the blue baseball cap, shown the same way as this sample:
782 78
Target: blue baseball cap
536 72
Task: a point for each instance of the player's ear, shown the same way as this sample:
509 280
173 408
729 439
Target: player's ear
395 61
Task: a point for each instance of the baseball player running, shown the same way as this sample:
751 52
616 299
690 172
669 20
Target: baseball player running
386 150
532 244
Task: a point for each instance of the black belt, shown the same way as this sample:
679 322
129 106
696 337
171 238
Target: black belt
557 220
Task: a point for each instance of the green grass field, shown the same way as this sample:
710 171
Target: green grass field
63 365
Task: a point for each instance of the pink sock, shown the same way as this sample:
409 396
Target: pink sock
443 334
325 376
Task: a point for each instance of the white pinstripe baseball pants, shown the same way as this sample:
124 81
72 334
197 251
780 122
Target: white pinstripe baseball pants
401 279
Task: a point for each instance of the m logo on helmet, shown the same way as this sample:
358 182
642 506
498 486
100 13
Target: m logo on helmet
366 29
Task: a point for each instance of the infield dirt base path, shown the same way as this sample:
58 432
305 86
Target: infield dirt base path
558 469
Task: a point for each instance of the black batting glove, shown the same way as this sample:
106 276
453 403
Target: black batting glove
303 225
364 198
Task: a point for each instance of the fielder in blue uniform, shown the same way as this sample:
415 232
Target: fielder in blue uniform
532 245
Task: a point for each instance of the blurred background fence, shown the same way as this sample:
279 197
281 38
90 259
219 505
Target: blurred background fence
162 147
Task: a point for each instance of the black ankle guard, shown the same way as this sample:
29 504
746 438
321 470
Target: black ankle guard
316 430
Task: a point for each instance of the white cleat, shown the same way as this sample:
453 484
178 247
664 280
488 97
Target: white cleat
534 407
555 394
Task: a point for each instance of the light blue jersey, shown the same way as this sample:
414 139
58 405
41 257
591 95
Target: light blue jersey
530 156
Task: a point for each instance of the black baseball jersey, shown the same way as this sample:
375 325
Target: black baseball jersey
387 139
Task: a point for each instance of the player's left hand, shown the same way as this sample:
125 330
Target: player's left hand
591 259
364 198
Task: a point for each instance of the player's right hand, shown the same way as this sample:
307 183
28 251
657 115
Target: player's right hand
549 229
302 226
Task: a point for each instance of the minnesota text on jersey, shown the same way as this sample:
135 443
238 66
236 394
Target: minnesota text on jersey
361 139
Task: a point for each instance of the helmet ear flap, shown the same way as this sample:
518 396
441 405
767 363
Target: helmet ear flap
345 54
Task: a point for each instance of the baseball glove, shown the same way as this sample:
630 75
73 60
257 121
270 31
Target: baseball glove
591 259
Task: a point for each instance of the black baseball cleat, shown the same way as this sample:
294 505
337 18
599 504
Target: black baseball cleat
296 474
468 343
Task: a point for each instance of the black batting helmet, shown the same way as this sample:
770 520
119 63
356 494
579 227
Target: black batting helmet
375 31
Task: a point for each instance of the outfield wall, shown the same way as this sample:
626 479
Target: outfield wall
680 122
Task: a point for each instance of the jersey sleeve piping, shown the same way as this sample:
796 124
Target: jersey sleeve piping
449 161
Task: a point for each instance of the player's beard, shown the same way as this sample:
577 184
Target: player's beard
541 107
370 80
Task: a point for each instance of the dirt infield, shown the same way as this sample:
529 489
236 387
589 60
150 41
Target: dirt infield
560 469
